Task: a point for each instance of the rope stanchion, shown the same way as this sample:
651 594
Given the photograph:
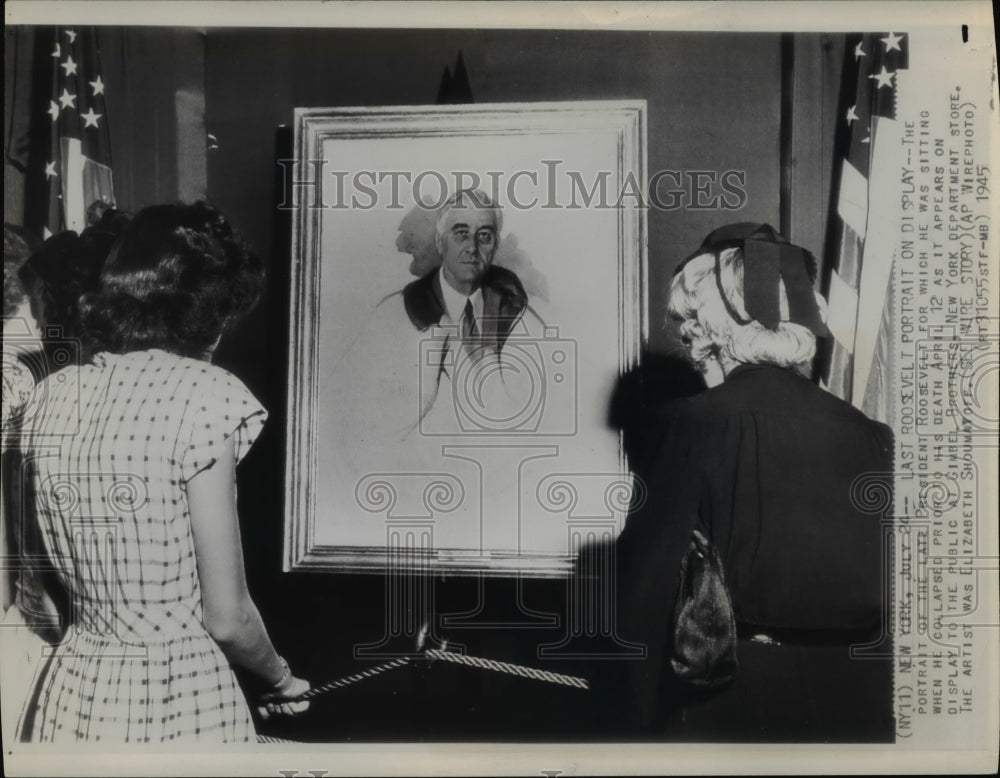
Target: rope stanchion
511 669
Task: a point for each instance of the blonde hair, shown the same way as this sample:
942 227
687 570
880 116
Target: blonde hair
707 329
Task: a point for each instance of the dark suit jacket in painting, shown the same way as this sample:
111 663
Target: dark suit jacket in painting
504 301
764 464
403 377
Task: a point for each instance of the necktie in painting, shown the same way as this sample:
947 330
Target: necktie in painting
470 330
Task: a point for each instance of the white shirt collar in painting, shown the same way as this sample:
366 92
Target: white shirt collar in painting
454 302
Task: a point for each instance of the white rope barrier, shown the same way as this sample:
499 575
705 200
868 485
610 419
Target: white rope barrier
434 653
347 680
510 669
447 656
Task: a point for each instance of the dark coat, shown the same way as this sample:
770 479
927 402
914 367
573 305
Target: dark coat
764 464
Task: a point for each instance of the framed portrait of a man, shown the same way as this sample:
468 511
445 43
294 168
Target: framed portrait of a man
468 287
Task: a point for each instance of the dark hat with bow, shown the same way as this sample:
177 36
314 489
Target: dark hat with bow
767 259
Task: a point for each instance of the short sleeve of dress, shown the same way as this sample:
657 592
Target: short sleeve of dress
221 407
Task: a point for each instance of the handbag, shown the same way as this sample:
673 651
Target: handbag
704 624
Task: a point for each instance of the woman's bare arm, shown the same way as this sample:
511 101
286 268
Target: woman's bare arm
229 613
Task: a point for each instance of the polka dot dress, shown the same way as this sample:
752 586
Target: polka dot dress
111 446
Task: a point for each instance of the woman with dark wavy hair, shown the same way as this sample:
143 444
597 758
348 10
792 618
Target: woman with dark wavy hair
63 269
134 459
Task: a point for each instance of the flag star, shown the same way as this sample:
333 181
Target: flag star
57 52
53 109
66 100
50 170
868 137
892 42
46 233
851 116
884 78
90 118
69 66
97 86
71 35
858 51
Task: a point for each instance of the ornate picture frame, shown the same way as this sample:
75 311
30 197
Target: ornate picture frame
467 489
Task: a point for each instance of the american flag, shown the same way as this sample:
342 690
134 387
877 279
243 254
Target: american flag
867 161
74 172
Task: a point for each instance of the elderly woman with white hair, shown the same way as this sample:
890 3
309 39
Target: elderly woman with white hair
762 465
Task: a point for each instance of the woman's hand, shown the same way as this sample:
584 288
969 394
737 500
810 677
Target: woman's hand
278 701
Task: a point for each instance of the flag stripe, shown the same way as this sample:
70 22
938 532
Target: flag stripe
877 400
879 251
74 208
842 311
849 266
852 205
839 382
